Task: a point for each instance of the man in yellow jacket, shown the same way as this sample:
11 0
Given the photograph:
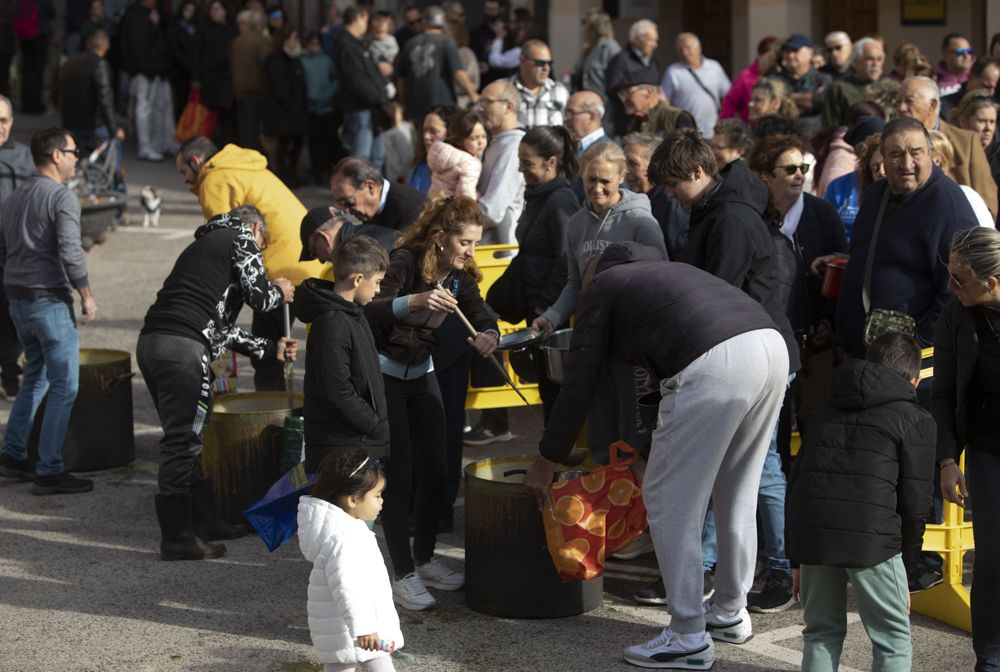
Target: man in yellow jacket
224 179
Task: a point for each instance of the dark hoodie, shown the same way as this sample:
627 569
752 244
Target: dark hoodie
860 487
643 311
729 239
345 404
211 280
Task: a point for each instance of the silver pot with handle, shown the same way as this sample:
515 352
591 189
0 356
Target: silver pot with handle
555 349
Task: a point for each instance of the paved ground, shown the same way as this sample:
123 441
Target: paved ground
82 588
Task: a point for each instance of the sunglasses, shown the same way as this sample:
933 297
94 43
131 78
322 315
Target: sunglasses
794 168
75 151
963 51
960 284
539 63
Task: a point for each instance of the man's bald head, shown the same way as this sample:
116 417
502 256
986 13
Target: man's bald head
583 114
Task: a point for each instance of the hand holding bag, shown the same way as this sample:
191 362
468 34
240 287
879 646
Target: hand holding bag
196 119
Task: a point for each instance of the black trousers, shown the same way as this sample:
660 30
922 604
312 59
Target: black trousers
248 123
454 384
10 346
417 462
269 375
287 159
178 376
34 53
324 144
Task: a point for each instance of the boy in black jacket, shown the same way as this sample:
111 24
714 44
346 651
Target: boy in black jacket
858 494
345 406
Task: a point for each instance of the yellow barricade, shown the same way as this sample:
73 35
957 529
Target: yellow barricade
493 260
948 601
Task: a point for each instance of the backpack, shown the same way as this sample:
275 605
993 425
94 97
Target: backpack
27 20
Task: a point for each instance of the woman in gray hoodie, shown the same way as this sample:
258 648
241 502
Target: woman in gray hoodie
610 214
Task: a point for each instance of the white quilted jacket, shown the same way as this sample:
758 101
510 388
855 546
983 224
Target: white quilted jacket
349 590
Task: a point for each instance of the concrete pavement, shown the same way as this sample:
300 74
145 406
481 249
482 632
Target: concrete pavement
82 588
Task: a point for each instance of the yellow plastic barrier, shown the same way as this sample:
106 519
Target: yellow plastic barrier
948 601
493 260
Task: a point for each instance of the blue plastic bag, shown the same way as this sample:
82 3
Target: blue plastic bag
275 515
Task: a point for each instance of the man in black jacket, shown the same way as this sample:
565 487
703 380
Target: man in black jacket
359 187
144 56
87 100
729 239
362 88
858 494
637 62
191 323
696 335
345 405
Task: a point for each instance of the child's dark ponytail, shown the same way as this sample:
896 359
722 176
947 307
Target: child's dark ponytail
346 474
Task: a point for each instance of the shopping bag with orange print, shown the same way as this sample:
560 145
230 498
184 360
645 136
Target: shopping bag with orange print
594 516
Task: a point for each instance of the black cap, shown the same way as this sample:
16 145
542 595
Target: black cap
863 127
796 41
637 77
316 218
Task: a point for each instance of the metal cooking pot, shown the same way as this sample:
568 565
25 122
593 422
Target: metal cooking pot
555 348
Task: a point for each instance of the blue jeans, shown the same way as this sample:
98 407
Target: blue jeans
771 506
709 545
47 329
984 475
360 140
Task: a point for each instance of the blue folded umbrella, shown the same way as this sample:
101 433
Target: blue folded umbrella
275 515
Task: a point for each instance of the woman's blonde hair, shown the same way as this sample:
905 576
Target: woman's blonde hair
942 150
777 90
441 217
979 249
603 151
599 27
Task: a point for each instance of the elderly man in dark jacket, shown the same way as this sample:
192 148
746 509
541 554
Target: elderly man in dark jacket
858 494
145 58
695 335
362 88
906 223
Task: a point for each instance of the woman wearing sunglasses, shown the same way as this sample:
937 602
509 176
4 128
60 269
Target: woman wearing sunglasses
810 229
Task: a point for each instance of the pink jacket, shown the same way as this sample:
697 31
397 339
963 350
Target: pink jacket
840 160
737 101
454 172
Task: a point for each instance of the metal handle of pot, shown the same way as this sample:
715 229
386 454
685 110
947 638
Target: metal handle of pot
110 386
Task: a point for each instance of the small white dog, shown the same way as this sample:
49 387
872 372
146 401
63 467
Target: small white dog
151 202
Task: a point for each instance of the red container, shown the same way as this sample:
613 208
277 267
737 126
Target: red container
831 278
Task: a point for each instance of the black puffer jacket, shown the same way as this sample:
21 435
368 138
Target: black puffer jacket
410 340
541 234
143 43
344 392
285 112
729 239
860 487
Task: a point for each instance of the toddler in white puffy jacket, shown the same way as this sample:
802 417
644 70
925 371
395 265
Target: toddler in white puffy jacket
352 618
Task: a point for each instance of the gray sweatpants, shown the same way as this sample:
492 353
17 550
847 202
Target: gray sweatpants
715 423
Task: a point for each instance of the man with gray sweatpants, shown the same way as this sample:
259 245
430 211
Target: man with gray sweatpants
721 367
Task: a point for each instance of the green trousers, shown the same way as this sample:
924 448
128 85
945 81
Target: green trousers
881 594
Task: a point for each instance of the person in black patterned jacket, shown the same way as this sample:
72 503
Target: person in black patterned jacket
191 323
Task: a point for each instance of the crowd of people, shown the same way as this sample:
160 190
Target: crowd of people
437 137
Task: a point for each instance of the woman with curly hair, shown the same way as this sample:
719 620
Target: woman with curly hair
431 273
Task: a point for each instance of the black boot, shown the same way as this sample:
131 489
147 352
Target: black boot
208 524
178 541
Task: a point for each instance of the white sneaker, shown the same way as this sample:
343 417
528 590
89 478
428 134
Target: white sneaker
641 546
409 592
727 627
673 651
150 156
438 575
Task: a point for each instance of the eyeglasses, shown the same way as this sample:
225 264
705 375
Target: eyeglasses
540 63
963 51
75 151
794 168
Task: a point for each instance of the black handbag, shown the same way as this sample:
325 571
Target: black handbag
506 294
